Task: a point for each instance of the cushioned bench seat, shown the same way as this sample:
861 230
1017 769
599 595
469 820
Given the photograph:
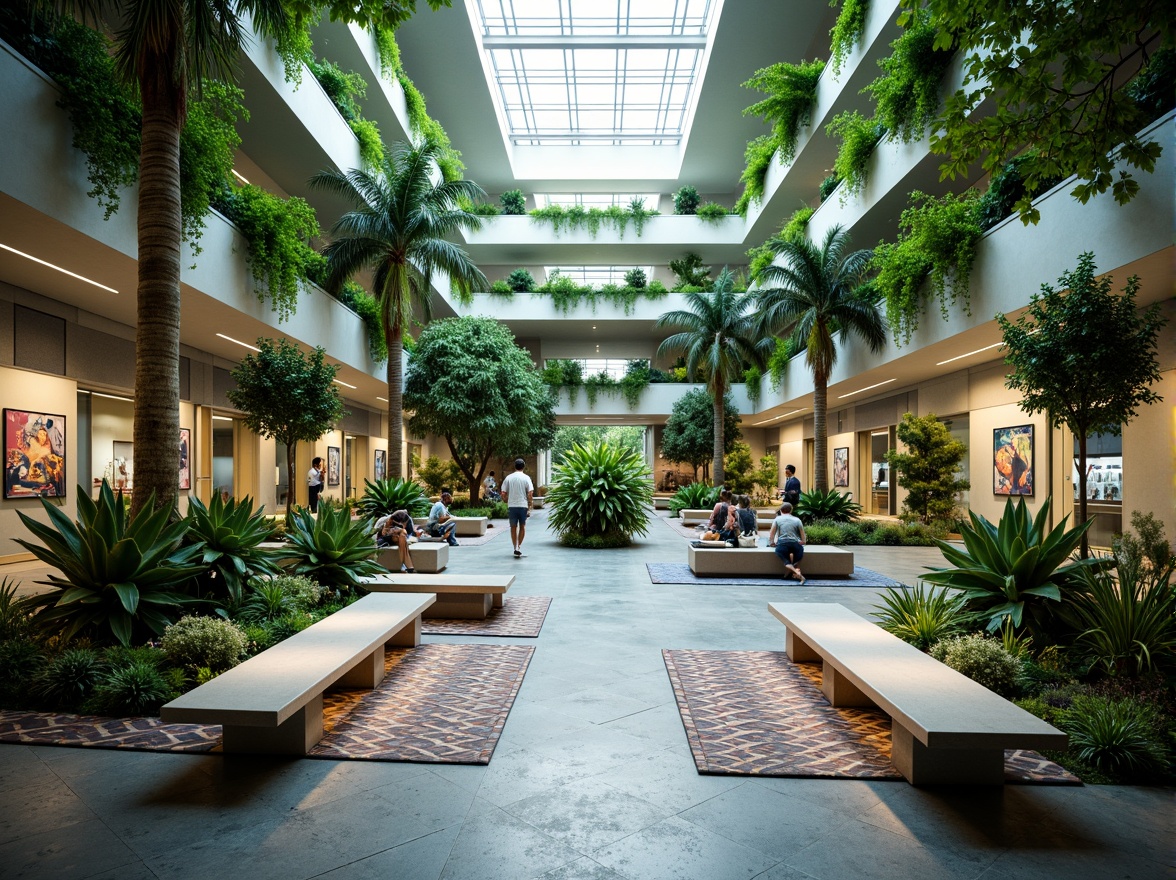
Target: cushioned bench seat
465 597
945 728
819 561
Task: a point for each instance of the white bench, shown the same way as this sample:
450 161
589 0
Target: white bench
463 597
945 728
694 516
429 556
819 561
467 526
273 703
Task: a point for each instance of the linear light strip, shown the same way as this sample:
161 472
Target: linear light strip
867 388
782 416
238 341
960 357
58 268
344 384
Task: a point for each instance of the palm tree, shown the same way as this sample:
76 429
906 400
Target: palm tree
814 295
403 212
720 338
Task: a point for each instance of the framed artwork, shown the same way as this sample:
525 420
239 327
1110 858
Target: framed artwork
185 466
34 454
841 466
1012 460
333 468
381 464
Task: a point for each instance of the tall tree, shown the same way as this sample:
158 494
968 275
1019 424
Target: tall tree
1084 356
402 215
815 297
287 395
690 431
928 468
469 382
718 339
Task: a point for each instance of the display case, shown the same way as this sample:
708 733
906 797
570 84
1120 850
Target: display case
1104 479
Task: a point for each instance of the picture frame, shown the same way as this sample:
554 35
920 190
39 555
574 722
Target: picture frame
381 465
333 465
841 467
35 454
1013 461
185 458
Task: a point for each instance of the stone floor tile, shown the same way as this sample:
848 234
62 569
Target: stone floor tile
678 849
420 859
44 806
669 779
496 844
81 850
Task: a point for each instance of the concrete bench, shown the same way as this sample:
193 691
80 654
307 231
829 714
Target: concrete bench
662 502
692 517
467 526
273 703
945 728
428 555
464 597
819 561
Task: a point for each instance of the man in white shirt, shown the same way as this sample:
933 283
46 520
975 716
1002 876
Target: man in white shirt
518 491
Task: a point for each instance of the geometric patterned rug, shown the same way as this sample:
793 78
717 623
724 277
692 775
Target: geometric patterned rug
520 617
680 573
756 713
441 704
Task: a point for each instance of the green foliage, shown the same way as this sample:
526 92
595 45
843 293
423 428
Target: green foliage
567 436
14 614
208 147
1146 555
203 641
690 272
826 505
365 305
921 617
1153 88
429 130
797 225
689 435
712 212
330 549
1116 736
859 136
752 377
828 185
907 95
1014 570
1007 192
521 281
343 88
304 592
792 91
482 209
610 541
985 661
634 382
847 32
937 237
686 200
267 600
593 385
137 687
501 288
756 160
696 496
567 374
68 679
21 660
371 145
600 490
929 467
514 202
392 494
230 535
120 577
635 278
737 468
437 474
576 217
778 361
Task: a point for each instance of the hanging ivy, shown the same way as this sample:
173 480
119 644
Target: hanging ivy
797 225
792 91
859 136
907 95
752 377
756 160
345 88
208 147
848 31
779 359
367 307
571 218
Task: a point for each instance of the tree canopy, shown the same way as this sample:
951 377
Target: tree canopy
469 382
928 467
689 433
626 436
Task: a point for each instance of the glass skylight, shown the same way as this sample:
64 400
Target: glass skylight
595 71
595 276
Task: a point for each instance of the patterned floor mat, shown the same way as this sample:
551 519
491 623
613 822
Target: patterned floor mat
441 704
755 713
680 573
520 617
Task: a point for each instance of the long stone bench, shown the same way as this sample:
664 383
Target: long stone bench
467 526
465 597
819 561
273 703
428 556
945 728
692 517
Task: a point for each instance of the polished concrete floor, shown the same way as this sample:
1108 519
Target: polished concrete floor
592 777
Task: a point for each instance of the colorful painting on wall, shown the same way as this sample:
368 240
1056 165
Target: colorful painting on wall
34 454
841 467
381 464
185 466
1012 460
333 468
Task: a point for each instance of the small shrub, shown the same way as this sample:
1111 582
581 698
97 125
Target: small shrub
501 288
121 655
68 679
686 200
266 601
521 281
305 592
1116 736
983 660
20 661
14 617
258 637
823 533
203 641
288 625
712 212
921 616
609 541
832 505
138 688
514 202
829 184
636 279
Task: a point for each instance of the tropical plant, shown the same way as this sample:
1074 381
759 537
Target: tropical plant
121 575
859 136
600 490
68 679
268 600
921 616
797 225
829 186
792 91
521 281
686 200
21 659
398 230
230 534
757 158
928 467
696 496
203 641
713 212
718 338
344 88
907 95
827 504
514 202
1116 736
392 494
690 430
847 32
14 615
635 278
437 474
985 661
136 687
1014 570
811 297
305 593
330 548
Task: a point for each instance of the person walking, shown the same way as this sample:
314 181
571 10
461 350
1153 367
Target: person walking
788 537
314 481
519 492
440 523
791 485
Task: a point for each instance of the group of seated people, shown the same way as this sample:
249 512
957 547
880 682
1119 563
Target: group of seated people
733 517
398 530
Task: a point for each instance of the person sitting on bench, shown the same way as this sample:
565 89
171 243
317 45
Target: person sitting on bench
788 537
394 530
440 523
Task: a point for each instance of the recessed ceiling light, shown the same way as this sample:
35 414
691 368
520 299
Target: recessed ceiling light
238 341
867 388
58 268
959 357
344 384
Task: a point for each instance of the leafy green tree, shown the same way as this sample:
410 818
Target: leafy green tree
287 395
469 382
813 296
929 467
738 468
690 431
1086 357
720 340
398 231
690 272
624 436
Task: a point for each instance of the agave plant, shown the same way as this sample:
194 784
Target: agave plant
1015 570
600 489
389 495
831 505
231 534
921 617
121 577
696 496
330 549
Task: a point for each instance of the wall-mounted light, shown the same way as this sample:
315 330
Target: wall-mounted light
867 388
13 250
238 342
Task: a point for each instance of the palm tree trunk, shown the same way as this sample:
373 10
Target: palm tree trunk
820 432
395 336
157 334
717 465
